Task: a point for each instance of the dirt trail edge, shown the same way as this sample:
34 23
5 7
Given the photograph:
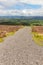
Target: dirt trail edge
20 49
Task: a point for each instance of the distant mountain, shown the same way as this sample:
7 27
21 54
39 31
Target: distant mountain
23 17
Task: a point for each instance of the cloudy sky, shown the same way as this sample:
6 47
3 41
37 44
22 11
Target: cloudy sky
21 7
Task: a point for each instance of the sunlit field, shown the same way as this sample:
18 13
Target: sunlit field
38 35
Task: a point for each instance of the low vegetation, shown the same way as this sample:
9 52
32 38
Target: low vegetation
1 39
27 22
9 26
38 35
6 30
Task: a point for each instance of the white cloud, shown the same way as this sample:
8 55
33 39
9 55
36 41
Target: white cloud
25 12
1 7
34 12
2 0
32 1
9 12
8 2
11 2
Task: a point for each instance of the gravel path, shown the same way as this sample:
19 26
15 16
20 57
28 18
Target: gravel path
20 49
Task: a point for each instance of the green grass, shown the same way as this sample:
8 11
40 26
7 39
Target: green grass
1 40
38 38
9 34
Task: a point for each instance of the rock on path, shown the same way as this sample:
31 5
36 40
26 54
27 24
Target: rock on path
20 49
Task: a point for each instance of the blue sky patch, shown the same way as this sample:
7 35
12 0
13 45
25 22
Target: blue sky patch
26 6
20 6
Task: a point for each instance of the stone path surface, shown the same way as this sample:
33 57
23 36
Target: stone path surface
20 49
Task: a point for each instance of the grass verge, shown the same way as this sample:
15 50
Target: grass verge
38 38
